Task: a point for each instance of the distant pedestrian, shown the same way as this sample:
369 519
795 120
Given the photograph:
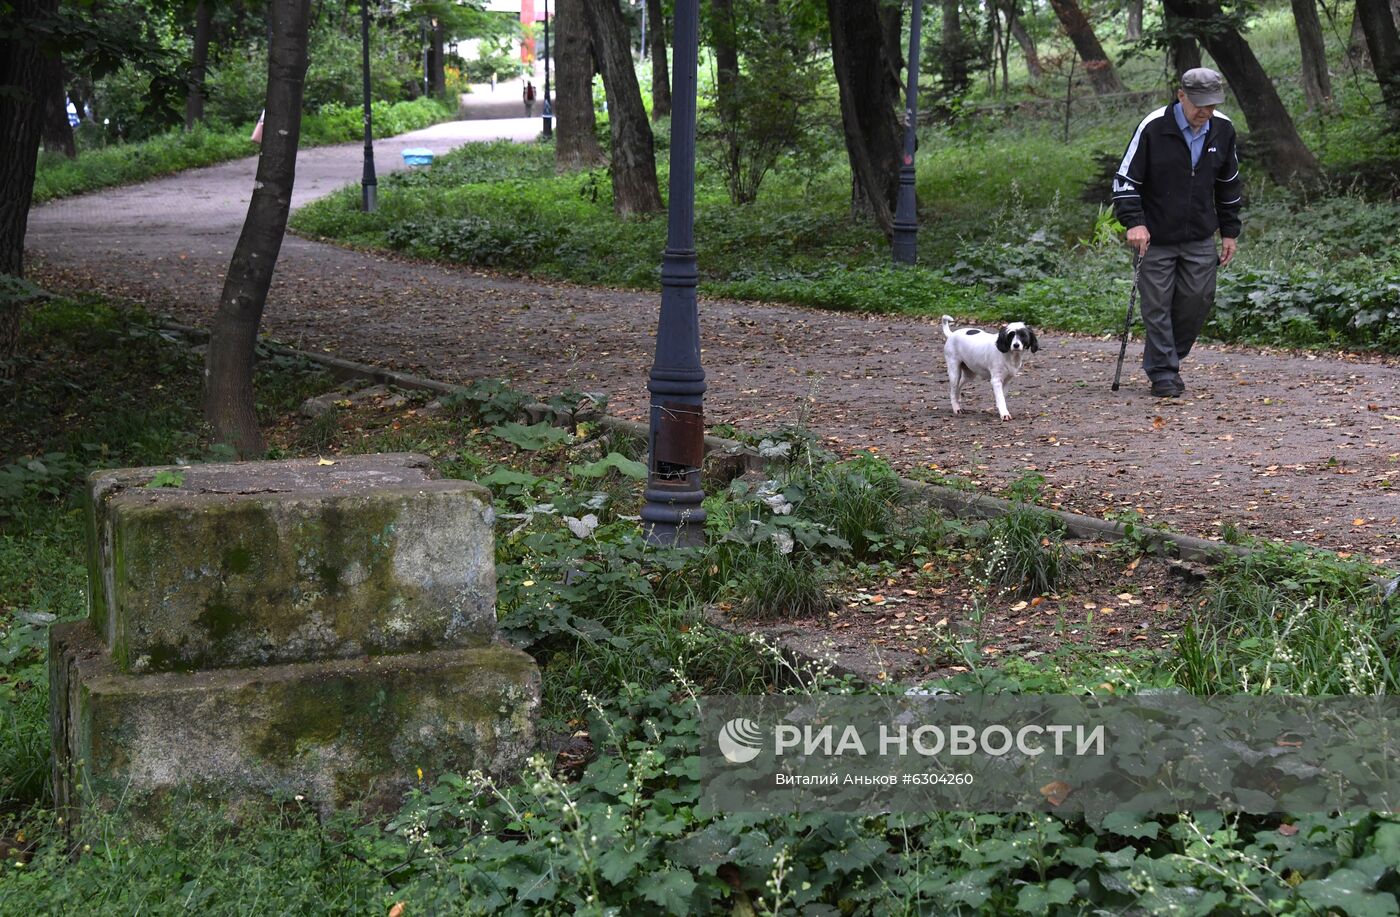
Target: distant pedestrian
493 81
258 128
529 95
1179 184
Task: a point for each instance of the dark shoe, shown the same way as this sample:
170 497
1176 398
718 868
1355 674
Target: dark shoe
1167 388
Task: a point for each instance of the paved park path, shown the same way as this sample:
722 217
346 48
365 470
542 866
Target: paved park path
1293 447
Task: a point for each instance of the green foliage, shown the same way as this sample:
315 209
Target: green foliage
488 401
1025 552
1291 621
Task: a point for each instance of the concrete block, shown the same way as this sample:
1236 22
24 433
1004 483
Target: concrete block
337 732
262 563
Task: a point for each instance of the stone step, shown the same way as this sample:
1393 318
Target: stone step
242 564
335 733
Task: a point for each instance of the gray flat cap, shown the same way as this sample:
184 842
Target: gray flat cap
1203 86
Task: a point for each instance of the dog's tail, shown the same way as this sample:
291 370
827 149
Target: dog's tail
947 326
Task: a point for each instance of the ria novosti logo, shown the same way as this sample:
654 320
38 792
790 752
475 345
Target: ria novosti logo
740 741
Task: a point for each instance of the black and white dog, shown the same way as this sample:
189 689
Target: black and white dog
974 353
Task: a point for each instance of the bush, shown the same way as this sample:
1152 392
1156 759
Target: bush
1025 552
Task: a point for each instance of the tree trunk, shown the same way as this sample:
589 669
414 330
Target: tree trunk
1027 43
722 39
199 62
633 153
437 75
575 125
21 115
869 99
1081 33
1356 44
954 62
1383 43
1317 84
228 374
57 132
1183 51
1134 30
1273 139
660 78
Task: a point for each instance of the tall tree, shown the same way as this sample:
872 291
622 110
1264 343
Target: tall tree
725 42
1134 28
1271 132
228 374
1024 39
199 62
23 63
633 150
869 100
1076 25
1317 83
660 77
575 125
953 61
1383 42
1183 51
57 131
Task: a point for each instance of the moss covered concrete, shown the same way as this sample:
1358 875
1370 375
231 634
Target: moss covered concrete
249 565
338 732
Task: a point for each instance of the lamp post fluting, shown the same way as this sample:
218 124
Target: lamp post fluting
906 217
673 514
548 110
369 185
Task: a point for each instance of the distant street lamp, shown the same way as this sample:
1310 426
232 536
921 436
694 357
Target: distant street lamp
369 185
548 111
673 514
906 217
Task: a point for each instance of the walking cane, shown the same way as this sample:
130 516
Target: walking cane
1128 322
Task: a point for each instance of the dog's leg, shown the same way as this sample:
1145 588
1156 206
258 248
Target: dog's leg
999 389
955 384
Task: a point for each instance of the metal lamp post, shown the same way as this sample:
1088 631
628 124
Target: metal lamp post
673 514
548 111
369 185
906 219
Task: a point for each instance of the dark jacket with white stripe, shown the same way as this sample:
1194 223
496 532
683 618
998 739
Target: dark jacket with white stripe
1156 184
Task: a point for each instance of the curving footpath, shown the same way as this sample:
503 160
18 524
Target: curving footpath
1286 446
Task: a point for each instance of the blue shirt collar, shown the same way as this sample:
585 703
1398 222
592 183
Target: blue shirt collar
1182 124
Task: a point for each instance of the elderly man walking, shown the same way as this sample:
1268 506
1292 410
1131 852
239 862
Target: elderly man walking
1178 184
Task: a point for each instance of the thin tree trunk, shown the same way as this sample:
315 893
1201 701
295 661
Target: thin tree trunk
1317 84
199 62
1027 43
228 374
660 77
1183 51
1383 43
57 132
633 151
1100 69
869 99
1271 131
1356 45
575 125
722 39
438 64
1134 29
21 116
954 63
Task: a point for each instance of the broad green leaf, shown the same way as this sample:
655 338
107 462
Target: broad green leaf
629 468
167 478
532 438
668 888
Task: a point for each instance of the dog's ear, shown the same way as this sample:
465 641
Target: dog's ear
1035 344
1004 341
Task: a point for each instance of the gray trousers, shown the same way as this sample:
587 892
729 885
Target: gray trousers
1177 286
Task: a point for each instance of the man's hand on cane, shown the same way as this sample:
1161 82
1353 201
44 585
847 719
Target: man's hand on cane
1138 239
